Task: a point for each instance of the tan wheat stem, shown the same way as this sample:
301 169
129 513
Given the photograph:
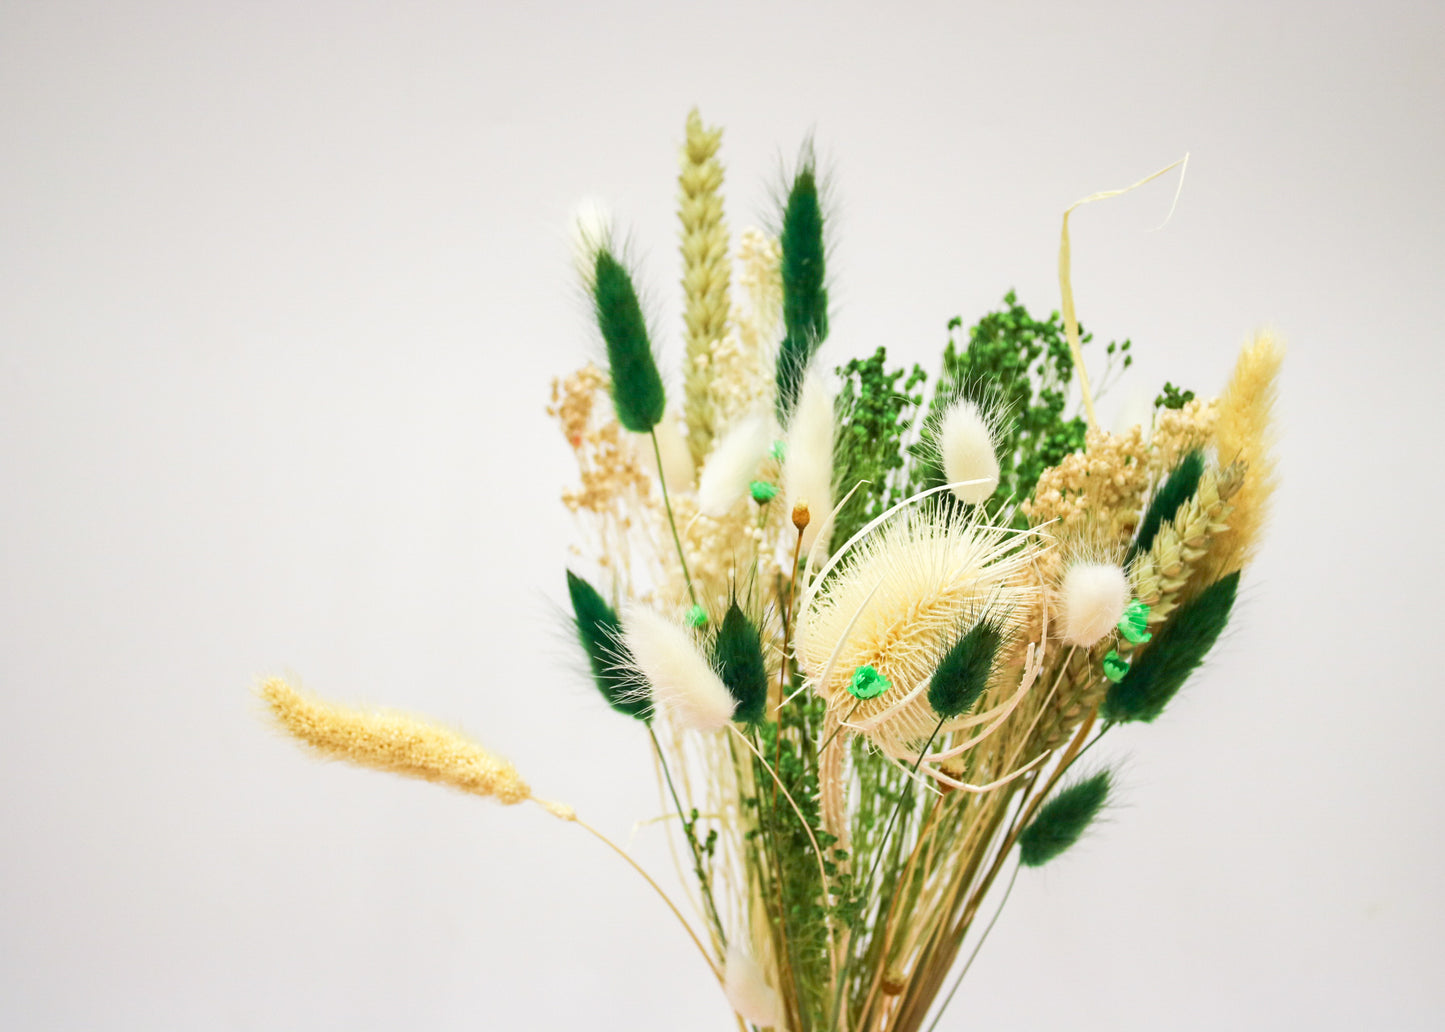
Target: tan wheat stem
1162 575
705 275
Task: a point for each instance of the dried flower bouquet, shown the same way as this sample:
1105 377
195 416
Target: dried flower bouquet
868 631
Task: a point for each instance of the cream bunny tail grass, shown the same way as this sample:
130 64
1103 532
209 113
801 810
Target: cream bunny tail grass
808 460
394 742
1245 434
747 989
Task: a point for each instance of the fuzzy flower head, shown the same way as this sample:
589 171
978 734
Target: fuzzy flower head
897 604
965 441
1091 601
672 670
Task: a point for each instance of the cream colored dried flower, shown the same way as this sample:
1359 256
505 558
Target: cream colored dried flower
1245 433
1110 476
897 603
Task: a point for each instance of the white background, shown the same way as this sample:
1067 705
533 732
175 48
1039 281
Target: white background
281 290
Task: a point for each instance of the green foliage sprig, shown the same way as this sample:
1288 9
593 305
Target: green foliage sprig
875 415
1172 397
1020 367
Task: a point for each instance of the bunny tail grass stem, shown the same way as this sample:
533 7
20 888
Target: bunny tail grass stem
824 747
783 663
950 939
690 834
898 806
867 883
1072 753
958 981
812 839
671 521
574 819
925 833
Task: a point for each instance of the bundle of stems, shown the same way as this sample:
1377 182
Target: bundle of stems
870 631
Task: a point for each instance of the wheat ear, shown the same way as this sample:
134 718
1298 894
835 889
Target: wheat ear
1162 578
704 275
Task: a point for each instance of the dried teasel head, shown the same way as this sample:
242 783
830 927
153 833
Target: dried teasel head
898 603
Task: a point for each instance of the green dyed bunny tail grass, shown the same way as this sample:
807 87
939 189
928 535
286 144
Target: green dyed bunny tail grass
637 389
805 294
1063 819
1178 648
737 653
963 674
599 631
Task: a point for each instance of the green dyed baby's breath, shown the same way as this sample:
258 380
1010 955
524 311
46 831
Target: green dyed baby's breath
867 683
962 674
1063 819
599 632
1134 624
637 389
1165 664
737 656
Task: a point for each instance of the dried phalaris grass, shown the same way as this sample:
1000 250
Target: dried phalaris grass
1245 433
393 742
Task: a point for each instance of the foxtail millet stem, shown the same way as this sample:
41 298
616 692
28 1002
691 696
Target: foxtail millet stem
689 832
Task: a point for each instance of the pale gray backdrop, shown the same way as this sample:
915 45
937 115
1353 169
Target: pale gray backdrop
281 290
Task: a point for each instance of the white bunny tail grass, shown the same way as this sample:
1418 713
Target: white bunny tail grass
808 460
748 991
591 230
666 658
1092 600
897 603
676 469
966 446
732 464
